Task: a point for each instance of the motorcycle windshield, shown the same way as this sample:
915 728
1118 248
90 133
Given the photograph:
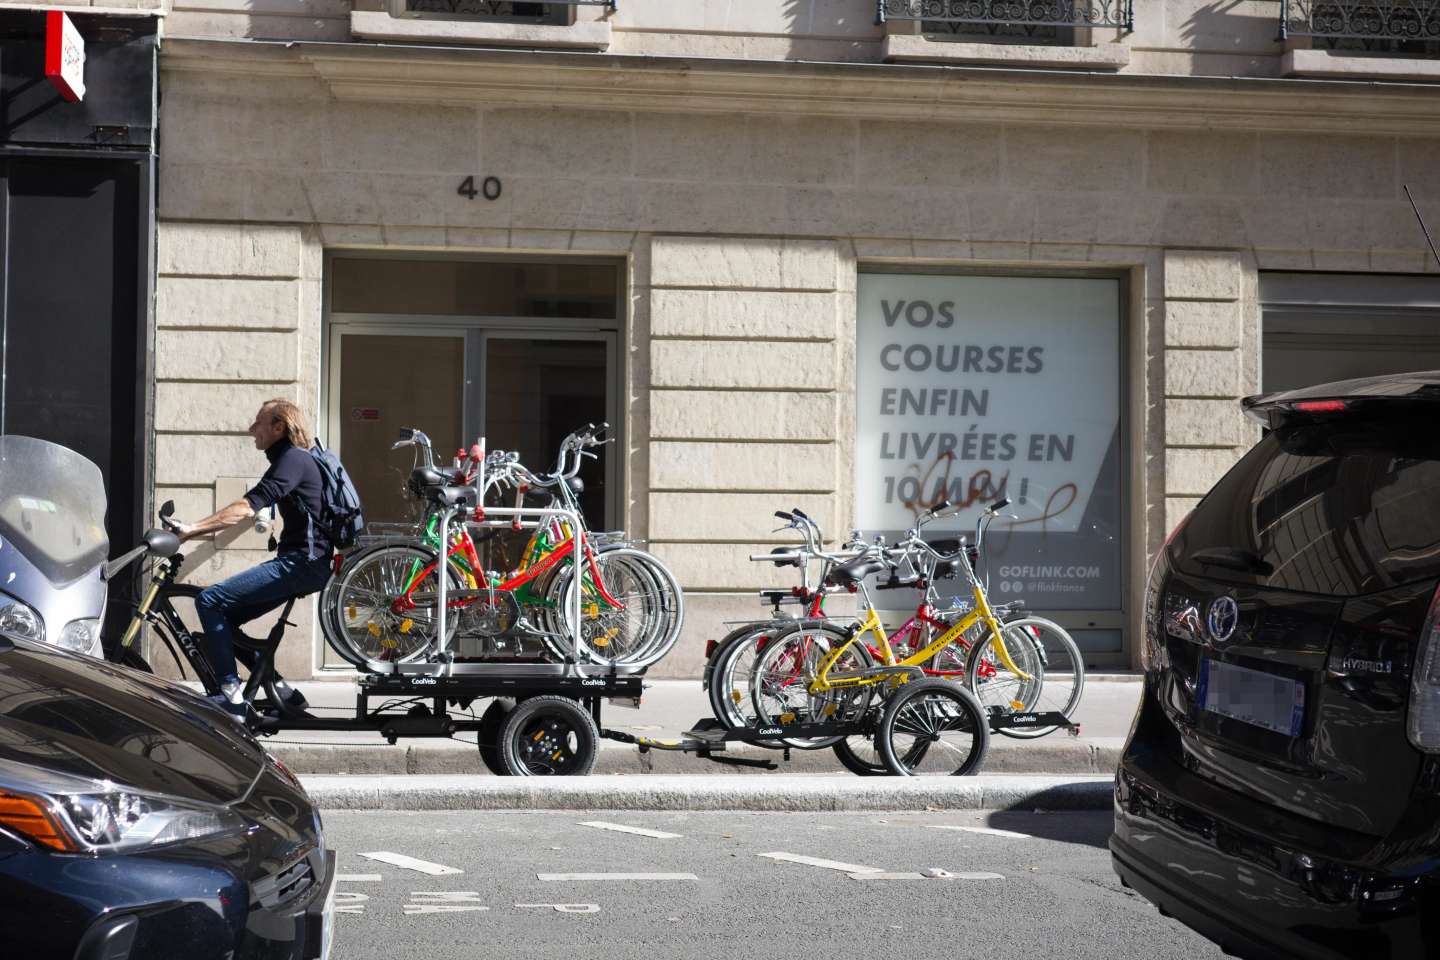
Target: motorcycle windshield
52 507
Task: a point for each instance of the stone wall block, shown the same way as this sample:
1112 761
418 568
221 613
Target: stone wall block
559 143
227 302
723 566
1202 275
197 459
710 262
1193 472
1205 423
1190 323
692 465
734 415
743 364
212 407
950 155
1176 509
1203 161
1091 158
741 517
223 250
402 138
1327 165
773 315
228 356
1202 373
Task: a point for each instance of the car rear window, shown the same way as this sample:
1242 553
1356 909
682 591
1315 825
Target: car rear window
1346 508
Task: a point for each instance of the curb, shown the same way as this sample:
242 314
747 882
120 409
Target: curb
698 792
1042 757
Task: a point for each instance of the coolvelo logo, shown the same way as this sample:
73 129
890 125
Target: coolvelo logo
423 681
592 683
1024 718
769 731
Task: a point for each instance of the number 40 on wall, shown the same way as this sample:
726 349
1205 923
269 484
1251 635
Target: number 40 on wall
489 188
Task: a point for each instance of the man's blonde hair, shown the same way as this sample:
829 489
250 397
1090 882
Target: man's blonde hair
287 413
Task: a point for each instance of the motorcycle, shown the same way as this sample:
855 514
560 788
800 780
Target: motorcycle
53 545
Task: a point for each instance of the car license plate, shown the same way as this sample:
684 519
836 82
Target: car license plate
1253 696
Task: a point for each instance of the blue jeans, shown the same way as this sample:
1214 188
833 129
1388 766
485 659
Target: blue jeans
222 608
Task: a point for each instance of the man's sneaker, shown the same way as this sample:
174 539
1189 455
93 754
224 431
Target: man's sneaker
232 698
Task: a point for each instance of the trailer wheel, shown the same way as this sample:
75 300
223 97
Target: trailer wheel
491 722
549 736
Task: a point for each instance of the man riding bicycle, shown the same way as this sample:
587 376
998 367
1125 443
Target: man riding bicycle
302 561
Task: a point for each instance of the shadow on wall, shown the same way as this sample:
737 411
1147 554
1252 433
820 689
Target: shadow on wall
1220 28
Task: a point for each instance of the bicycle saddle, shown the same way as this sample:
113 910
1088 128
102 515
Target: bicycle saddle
854 571
447 496
424 478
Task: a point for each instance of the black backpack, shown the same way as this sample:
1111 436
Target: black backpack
341 517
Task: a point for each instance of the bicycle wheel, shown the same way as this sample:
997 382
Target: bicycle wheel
368 626
1034 644
780 690
668 616
618 609
861 756
933 728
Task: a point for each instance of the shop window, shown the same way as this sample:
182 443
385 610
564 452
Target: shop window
972 388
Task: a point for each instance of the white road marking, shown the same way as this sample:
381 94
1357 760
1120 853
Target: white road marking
459 901
349 902
817 862
410 863
357 878
932 874
989 831
638 831
615 876
563 907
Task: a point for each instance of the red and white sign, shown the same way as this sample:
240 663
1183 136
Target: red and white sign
64 56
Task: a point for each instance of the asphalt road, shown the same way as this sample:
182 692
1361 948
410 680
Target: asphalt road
709 892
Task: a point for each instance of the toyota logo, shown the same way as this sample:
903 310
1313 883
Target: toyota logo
1223 618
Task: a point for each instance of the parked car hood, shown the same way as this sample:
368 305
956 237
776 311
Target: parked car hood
85 717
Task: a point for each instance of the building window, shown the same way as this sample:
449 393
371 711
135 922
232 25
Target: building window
1404 28
972 388
1052 22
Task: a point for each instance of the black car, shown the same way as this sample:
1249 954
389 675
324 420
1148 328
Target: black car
1280 788
138 821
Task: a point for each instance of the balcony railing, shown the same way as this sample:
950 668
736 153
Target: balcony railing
1396 21
1018 13
496 9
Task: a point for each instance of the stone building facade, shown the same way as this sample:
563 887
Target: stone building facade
747 169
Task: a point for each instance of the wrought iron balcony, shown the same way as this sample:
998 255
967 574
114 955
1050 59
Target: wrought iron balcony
1383 21
1013 13
496 9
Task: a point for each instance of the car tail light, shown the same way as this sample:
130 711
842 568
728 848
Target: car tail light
1152 643
1422 721
1319 406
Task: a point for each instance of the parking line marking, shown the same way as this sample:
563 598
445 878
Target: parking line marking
989 831
410 863
615 876
817 862
638 831
927 875
357 878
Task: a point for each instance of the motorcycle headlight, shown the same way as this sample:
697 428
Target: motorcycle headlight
82 636
21 620
110 820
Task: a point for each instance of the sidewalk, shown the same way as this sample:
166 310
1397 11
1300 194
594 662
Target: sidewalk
669 708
